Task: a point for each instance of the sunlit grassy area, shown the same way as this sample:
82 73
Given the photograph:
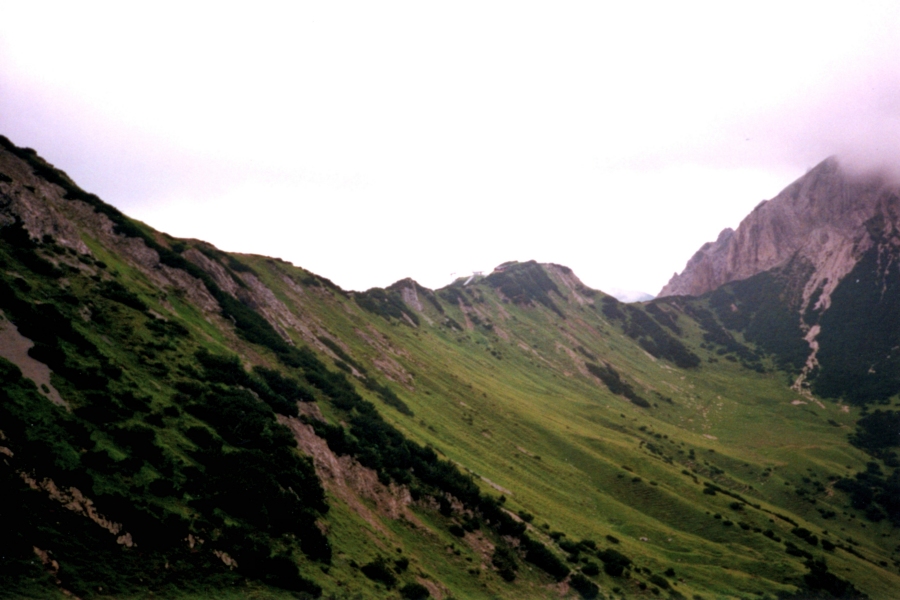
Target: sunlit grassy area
513 404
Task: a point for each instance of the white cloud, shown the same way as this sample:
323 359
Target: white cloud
373 141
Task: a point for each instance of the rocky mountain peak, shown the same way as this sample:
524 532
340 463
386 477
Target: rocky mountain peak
823 219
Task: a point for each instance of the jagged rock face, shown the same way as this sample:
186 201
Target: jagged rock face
820 219
820 259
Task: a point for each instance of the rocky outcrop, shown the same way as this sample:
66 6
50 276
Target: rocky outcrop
37 203
347 479
823 219
46 211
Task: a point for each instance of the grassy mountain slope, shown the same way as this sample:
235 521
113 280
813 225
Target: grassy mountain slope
233 424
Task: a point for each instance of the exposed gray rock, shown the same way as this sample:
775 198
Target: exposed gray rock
38 204
410 297
823 218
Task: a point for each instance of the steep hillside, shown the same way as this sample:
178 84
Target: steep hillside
182 421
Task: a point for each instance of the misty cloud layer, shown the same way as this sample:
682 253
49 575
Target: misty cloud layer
371 143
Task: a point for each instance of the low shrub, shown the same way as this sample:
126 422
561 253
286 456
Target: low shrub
378 570
614 562
538 555
415 591
611 378
660 581
584 586
505 562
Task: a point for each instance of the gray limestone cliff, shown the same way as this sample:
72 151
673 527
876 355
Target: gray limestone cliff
823 219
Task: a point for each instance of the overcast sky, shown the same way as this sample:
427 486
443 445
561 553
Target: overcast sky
372 141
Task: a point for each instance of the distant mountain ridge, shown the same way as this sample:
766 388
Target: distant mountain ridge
624 295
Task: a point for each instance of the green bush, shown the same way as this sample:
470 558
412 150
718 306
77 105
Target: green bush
819 579
584 586
378 570
806 535
115 291
505 562
611 378
415 591
388 396
614 562
538 555
793 550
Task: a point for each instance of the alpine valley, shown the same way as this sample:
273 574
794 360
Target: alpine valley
179 421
